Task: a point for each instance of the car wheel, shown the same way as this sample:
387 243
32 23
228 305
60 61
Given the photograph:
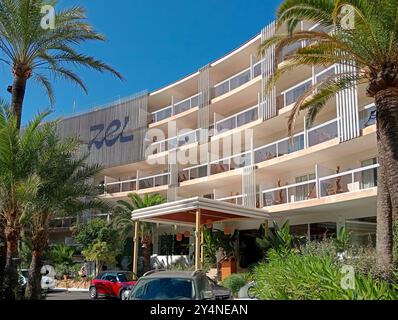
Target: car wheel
93 293
122 294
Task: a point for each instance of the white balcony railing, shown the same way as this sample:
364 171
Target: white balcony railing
175 142
237 120
345 182
175 109
238 199
137 184
237 80
319 134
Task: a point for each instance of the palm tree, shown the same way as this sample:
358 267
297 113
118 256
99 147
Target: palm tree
123 214
37 53
66 189
370 50
19 185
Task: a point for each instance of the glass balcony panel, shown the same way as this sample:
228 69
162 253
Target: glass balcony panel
187 138
322 134
338 185
287 146
163 114
247 117
240 80
293 95
257 70
302 192
367 117
129 186
265 154
221 89
195 101
328 75
240 161
113 188
199 172
161 180
182 106
172 144
226 125
146 183
222 166
274 198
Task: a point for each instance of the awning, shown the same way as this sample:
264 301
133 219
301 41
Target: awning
184 212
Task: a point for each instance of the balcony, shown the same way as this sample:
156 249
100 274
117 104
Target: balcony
137 184
341 183
238 199
176 109
237 80
63 224
319 134
175 142
237 120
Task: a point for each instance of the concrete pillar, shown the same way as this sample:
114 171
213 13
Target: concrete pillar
136 243
197 241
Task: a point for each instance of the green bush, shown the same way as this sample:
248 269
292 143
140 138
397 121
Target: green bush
306 276
235 282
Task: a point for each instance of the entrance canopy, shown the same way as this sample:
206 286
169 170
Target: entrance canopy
183 212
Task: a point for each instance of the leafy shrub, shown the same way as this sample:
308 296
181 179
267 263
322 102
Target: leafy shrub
307 276
235 282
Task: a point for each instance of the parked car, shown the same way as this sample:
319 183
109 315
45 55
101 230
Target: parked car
47 279
170 285
246 292
111 284
220 292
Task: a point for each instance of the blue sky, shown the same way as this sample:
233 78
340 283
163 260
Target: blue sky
152 43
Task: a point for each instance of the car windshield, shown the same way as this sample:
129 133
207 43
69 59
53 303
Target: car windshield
125 277
163 289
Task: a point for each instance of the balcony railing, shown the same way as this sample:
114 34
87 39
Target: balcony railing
237 80
238 199
178 108
237 120
345 182
322 133
137 184
349 181
65 223
179 141
289 194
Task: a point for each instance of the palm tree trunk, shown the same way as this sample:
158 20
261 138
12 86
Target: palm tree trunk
3 253
387 204
10 271
39 243
18 95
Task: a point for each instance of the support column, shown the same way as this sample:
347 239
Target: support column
198 241
202 251
266 229
136 243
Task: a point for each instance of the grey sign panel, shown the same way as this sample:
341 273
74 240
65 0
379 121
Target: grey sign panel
113 135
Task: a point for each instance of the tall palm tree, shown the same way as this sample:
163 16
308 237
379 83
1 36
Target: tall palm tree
66 189
37 53
123 214
19 184
370 49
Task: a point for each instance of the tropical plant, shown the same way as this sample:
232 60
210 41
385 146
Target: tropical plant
19 184
342 241
37 53
102 253
234 283
299 276
122 221
66 189
278 238
62 254
368 50
213 239
95 230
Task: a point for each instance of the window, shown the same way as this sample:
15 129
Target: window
109 277
168 245
369 177
164 289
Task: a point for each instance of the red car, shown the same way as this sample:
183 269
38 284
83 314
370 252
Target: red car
112 284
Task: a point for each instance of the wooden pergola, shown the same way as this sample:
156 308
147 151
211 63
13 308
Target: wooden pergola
195 212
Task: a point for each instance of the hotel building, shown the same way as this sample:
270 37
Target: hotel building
216 143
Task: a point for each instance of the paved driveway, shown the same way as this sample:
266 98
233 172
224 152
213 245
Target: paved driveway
63 295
